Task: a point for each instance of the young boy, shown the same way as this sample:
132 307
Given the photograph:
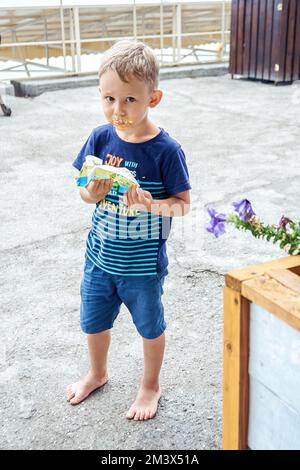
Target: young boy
126 260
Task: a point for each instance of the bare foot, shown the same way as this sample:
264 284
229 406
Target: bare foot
80 390
145 405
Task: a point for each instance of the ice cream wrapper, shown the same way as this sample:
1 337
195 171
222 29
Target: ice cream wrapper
94 169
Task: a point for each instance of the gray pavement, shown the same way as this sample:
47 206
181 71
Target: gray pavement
241 139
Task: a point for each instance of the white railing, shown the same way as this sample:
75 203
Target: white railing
175 48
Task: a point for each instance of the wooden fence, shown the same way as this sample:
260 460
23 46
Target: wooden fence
265 39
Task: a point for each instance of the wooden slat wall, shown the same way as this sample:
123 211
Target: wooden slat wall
265 41
296 64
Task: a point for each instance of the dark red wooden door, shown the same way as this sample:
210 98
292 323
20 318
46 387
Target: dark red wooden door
265 39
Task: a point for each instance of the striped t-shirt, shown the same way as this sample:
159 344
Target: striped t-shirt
123 241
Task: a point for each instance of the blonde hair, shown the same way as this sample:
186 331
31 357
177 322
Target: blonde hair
129 57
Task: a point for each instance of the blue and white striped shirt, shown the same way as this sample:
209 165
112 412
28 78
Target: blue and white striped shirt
123 241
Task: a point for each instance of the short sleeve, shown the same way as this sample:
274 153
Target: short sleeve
174 171
87 149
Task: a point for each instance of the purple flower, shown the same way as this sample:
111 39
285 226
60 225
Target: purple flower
216 225
284 221
299 225
244 209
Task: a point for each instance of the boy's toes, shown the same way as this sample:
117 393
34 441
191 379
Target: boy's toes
130 413
70 396
76 399
70 393
79 396
140 415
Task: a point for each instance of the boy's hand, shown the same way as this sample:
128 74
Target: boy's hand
138 199
98 189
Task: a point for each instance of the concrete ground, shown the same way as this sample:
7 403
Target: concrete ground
241 139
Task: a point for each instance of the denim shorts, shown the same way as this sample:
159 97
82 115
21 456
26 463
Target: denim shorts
102 295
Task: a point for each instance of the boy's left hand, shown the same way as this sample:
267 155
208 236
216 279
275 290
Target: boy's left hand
138 199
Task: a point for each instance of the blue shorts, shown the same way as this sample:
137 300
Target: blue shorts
102 295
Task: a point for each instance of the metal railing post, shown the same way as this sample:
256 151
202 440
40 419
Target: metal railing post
161 17
77 38
46 40
174 33
179 31
14 38
134 20
72 46
223 29
63 39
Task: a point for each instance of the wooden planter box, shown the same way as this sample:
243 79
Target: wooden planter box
261 406
265 39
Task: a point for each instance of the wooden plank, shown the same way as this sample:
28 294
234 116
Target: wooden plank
272 425
268 39
240 38
286 278
235 278
254 38
282 46
261 39
296 63
247 34
231 370
276 37
274 297
235 378
244 374
233 37
290 41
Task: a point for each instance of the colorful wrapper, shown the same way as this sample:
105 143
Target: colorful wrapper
94 169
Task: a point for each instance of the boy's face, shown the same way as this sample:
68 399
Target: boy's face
125 105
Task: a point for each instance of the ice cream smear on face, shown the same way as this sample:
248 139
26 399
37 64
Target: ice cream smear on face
118 121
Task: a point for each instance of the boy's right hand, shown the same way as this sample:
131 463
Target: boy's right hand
98 189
